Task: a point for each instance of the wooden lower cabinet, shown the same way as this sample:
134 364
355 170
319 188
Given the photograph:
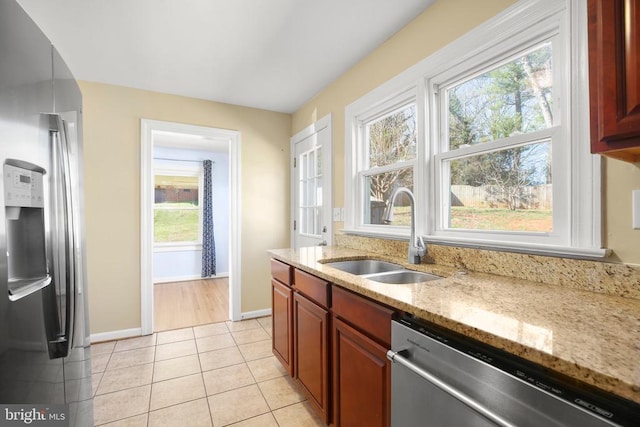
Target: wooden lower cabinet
282 326
333 342
311 352
361 379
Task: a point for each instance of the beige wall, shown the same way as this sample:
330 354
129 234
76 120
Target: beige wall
112 159
620 178
439 25
112 183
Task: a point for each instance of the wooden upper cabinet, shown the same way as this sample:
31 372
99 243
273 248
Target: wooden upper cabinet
614 78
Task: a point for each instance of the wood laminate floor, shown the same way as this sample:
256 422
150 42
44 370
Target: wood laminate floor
190 303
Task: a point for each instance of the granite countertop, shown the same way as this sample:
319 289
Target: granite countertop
592 337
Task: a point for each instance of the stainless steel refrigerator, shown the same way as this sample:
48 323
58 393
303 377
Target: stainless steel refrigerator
44 335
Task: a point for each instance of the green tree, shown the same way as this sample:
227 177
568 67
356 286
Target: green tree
513 98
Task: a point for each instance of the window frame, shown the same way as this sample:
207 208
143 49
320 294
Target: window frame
381 110
557 134
576 173
190 171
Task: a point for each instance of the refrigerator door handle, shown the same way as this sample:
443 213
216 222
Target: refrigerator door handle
64 270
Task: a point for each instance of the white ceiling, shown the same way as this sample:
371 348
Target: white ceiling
269 54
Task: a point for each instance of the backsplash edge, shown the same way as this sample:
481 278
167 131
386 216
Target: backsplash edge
621 280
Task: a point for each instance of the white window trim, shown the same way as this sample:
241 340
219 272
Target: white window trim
355 190
507 30
513 47
176 247
182 170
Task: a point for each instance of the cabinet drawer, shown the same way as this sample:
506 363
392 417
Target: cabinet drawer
281 271
372 318
312 287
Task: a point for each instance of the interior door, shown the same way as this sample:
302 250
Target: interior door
311 185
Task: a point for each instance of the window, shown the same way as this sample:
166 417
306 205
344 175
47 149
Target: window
176 209
491 135
499 126
390 153
310 191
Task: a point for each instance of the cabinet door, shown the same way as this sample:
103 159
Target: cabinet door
361 379
311 354
614 77
282 318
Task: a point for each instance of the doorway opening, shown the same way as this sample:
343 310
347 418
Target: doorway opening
173 294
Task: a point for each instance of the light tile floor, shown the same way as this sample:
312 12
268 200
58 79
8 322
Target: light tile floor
213 375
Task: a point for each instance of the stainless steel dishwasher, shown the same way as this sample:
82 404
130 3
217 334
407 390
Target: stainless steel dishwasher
442 379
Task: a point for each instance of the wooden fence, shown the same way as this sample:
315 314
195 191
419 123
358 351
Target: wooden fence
176 195
487 196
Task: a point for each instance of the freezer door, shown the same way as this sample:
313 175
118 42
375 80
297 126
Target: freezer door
26 372
44 350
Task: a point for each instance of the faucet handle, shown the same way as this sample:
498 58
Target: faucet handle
417 250
422 247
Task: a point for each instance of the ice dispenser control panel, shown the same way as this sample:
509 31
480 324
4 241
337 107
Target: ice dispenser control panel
23 187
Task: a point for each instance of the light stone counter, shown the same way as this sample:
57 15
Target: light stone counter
590 336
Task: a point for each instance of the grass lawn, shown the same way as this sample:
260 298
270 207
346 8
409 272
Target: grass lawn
175 225
501 219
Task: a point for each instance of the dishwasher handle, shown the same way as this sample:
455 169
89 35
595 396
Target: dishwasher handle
397 357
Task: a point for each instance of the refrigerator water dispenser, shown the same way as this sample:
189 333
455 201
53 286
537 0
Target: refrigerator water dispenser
25 221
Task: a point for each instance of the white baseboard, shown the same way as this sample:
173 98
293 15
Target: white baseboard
186 278
115 335
136 332
254 314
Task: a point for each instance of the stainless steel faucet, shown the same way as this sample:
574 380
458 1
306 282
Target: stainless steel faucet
417 248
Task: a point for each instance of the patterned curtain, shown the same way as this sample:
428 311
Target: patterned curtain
208 243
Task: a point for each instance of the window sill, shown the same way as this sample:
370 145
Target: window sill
529 249
177 247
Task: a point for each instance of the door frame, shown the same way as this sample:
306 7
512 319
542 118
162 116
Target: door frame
147 129
327 165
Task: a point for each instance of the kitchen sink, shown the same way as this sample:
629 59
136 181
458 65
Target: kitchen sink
364 266
403 277
382 271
